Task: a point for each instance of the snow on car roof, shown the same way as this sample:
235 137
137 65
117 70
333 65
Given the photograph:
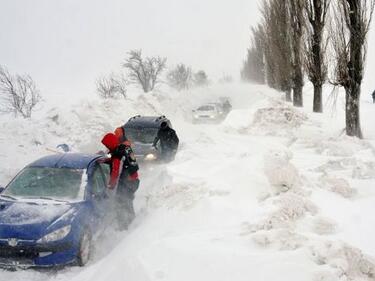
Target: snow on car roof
65 160
145 121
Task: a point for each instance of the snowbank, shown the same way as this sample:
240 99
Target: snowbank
272 193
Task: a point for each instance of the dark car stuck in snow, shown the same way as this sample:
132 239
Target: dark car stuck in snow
142 131
50 212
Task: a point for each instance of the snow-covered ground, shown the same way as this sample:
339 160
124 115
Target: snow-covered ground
272 193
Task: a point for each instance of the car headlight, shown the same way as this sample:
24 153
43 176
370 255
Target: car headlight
212 116
56 235
150 157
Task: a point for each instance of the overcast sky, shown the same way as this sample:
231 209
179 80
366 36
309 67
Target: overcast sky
66 44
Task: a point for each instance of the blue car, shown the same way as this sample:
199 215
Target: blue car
50 212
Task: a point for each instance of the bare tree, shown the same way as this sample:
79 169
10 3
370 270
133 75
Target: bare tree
271 64
349 32
201 79
296 8
145 72
112 86
278 46
315 47
253 69
18 92
180 77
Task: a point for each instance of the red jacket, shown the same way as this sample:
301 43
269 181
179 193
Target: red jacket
120 134
112 142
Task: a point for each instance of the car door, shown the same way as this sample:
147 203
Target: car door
99 197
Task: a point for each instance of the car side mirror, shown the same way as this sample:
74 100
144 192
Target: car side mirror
2 189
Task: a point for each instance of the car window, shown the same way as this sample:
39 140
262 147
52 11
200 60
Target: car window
106 169
56 183
206 108
98 181
141 134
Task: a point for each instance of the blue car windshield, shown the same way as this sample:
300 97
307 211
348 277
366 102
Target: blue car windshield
49 183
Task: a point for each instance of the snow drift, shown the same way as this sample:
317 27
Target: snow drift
272 193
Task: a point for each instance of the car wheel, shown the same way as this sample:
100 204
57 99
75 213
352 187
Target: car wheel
85 247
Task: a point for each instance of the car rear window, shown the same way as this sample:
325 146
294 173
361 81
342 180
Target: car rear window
206 108
143 135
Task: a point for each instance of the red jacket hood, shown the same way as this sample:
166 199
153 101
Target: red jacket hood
110 141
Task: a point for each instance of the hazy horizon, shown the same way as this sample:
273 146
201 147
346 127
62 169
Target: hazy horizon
66 45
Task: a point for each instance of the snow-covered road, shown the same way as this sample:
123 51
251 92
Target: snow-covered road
272 193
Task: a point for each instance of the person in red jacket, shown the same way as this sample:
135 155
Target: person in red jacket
120 133
124 178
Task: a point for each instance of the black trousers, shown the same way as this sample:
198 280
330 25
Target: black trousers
124 202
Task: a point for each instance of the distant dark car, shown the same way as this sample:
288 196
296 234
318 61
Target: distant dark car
52 209
141 131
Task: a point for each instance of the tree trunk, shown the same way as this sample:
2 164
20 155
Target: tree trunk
318 103
288 95
355 67
298 76
297 31
297 96
316 52
353 124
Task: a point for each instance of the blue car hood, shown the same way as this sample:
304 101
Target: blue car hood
29 220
